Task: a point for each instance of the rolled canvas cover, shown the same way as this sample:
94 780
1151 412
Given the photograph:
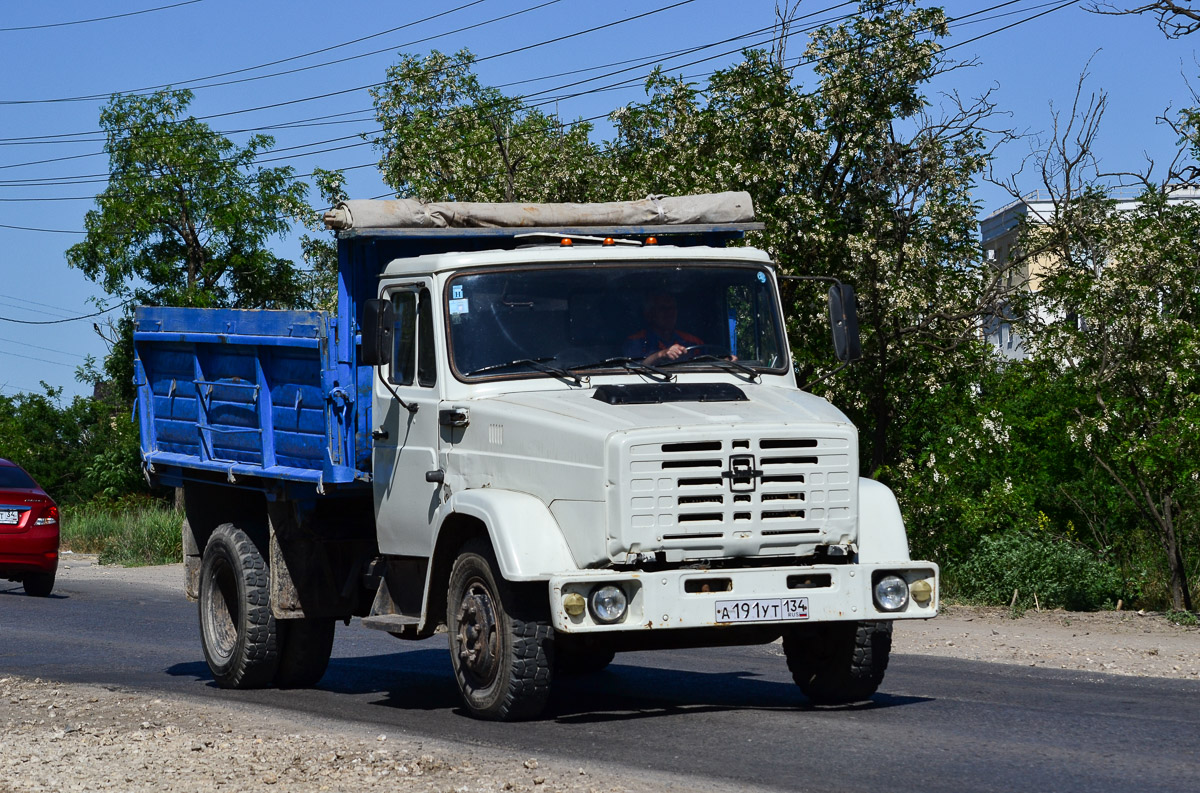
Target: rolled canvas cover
730 207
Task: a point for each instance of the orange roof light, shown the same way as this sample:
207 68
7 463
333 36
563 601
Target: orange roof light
652 240
609 241
566 242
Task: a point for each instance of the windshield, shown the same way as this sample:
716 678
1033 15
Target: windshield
539 322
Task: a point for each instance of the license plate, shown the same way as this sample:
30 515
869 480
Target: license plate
10 516
762 609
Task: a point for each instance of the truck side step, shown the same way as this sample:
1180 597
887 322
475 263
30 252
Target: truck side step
393 623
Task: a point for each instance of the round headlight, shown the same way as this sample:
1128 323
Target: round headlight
608 603
891 593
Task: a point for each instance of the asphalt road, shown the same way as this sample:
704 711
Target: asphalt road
731 716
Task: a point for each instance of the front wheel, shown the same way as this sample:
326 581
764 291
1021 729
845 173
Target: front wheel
501 639
237 629
836 663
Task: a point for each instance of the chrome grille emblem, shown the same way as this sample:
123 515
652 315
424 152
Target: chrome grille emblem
742 473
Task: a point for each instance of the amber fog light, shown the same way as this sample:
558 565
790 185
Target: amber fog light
921 592
574 604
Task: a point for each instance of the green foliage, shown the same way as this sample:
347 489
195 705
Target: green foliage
185 218
1115 316
1061 573
76 450
132 532
447 137
1187 619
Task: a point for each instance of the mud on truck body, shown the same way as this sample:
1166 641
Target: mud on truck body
475 442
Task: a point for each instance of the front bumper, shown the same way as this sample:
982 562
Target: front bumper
692 598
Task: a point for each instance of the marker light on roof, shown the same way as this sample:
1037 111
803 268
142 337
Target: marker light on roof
652 240
566 242
609 241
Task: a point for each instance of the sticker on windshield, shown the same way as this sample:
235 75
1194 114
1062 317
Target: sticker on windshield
459 305
762 277
456 291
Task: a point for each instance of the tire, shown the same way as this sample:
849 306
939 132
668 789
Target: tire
38 585
578 658
839 662
501 639
237 630
304 649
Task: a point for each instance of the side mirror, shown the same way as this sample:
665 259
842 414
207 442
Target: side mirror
843 318
378 323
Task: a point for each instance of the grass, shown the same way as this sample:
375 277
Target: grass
143 533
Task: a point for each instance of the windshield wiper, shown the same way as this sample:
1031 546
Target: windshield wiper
724 363
532 363
632 365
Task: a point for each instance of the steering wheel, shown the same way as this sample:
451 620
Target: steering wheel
706 349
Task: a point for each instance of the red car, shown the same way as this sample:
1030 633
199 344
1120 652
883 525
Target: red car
28 531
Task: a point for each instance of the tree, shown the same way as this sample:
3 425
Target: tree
1176 18
185 217
1116 314
446 137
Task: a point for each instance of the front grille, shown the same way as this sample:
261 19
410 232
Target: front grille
736 495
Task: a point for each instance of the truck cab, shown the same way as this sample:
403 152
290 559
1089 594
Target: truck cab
565 441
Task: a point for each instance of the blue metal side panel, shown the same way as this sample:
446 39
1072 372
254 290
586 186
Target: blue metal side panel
244 393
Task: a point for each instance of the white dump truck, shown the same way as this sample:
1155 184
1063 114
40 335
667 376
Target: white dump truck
556 432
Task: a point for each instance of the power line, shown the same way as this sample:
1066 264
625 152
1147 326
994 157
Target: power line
99 19
68 319
149 89
955 22
343 91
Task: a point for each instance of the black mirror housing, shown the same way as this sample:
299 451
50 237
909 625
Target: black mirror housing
378 323
843 319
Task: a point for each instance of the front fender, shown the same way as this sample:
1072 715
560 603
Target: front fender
528 542
881 536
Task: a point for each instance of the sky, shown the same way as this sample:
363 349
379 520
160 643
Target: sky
62 60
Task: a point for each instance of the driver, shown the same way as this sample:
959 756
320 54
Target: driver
660 341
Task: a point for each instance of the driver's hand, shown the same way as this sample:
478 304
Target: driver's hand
672 353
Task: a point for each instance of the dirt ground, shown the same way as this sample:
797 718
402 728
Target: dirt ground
59 737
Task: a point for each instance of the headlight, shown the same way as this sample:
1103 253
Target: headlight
608 603
891 593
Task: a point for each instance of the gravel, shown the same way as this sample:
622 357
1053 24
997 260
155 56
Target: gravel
69 737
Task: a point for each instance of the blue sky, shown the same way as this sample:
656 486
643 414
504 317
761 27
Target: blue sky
1029 66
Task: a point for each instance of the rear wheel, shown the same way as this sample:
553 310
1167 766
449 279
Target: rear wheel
39 585
238 632
304 649
501 640
835 663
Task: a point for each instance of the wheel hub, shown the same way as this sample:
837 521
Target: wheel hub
477 635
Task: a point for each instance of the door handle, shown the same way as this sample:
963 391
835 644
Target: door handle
435 476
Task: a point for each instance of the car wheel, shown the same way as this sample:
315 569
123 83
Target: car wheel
836 663
501 639
38 585
237 630
304 649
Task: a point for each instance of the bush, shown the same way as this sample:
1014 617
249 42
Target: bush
130 533
1061 573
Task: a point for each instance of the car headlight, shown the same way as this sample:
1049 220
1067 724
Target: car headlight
608 603
891 593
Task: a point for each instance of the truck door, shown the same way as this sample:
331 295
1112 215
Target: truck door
404 455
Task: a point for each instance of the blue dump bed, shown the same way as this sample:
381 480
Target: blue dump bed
236 394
